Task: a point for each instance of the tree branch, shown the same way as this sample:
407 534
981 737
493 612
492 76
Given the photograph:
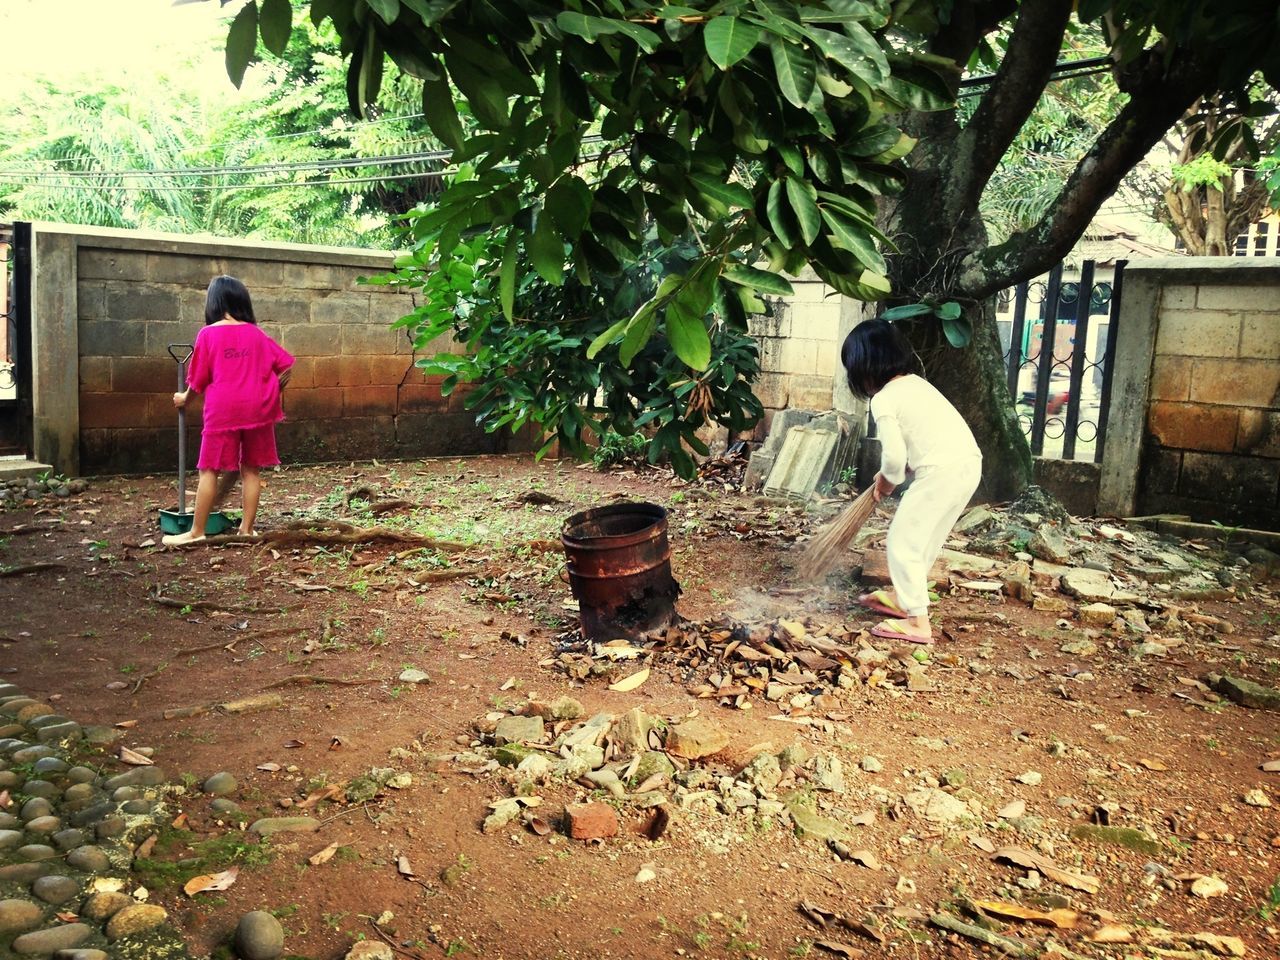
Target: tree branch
1158 101
1012 97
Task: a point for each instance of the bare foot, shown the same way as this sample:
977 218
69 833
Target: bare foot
181 539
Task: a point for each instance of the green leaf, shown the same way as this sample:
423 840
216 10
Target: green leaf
364 74
855 237
639 331
802 197
781 218
606 338
275 21
729 194
440 112
958 331
388 10
242 42
688 335
486 95
592 28
900 149
759 279
569 202
948 311
546 250
795 69
729 39
906 311
507 274
855 50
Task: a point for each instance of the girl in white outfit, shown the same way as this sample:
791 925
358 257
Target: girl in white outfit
921 432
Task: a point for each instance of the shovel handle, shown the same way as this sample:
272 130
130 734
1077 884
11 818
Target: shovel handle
181 353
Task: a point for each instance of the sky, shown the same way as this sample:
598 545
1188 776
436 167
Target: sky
124 41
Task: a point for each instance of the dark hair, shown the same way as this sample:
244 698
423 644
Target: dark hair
227 296
873 354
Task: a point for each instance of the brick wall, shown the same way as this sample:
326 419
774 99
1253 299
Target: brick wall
799 349
355 393
1210 438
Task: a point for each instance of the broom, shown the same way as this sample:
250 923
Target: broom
825 550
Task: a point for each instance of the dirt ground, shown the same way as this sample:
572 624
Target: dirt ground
1093 730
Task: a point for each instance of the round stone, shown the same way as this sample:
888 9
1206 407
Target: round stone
10 839
12 705
31 711
259 936
55 938
34 852
220 784
135 918
83 954
104 906
88 859
137 807
93 814
78 791
48 765
126 793
24 872
56 890
32 754
17 916
35 808
9 778
68 839
110 828
44 825
82 775
40 788
8 821
224 806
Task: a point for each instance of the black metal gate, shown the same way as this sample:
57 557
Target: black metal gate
1059 376
15 357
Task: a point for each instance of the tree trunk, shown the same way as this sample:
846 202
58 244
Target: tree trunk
972 378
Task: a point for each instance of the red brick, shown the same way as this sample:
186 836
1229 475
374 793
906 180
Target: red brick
95 375
318 403
144 375
1194 426
1171 379
1243 383
414 397
303 375
368 401
590 821
326 372
391 369
115 410
353 371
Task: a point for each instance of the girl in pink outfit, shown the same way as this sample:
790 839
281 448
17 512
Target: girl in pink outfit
240 371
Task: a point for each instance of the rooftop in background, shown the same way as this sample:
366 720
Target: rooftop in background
1106 241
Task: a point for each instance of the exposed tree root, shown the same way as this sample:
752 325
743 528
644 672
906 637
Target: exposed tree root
209 606
30 568
337 532
305 678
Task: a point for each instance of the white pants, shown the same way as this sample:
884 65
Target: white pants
928 511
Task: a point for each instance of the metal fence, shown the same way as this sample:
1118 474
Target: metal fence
1060 359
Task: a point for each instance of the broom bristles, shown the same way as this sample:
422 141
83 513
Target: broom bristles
825 550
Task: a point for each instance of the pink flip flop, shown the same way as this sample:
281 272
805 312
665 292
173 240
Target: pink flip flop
880 603
895 630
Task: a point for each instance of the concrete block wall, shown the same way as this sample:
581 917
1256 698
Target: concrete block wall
354 394
1201 358
799 349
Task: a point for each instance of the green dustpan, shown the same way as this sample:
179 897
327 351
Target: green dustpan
179 520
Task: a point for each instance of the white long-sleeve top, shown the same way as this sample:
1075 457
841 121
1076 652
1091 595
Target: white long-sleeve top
918 427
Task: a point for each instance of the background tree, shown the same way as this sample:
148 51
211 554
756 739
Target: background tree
800 95
1216 190
288 163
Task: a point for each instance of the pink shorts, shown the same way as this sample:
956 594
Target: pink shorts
227 450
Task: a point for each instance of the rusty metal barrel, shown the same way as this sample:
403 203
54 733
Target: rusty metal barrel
619 564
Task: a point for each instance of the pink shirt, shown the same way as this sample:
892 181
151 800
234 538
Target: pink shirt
235 366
